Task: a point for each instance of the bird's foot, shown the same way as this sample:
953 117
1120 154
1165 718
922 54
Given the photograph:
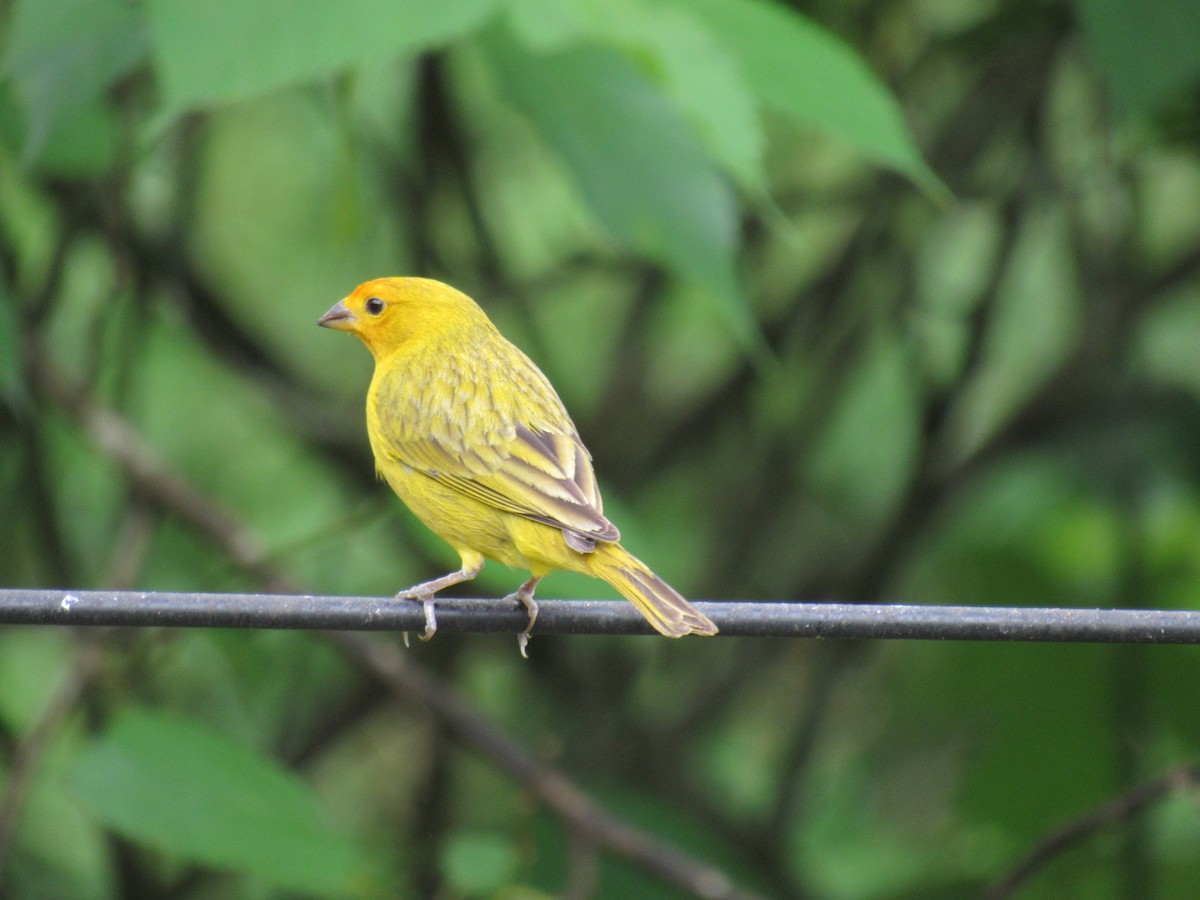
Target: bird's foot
472 563
430 617
525 595
427 601
523 637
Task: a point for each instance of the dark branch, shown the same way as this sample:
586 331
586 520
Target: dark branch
1117 810
32 749
149 472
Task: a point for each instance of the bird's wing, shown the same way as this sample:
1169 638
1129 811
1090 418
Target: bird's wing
546 476
508 443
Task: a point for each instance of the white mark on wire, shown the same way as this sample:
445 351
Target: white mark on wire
68 601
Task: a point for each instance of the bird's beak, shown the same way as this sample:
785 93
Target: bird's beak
338 318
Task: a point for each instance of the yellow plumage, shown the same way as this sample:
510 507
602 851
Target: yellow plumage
474 439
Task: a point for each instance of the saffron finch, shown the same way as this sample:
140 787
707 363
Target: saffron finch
472 437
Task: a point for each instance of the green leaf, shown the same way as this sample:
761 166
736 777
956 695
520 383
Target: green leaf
59 850
478 862
80 145
1145 48
1033 327
12 386
640 167
32 665
212 53
177 786
1164 345
675 50
62 55
867 453
809 74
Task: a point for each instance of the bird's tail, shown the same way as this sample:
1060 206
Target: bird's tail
660 603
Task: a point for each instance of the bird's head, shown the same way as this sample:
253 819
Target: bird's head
387 313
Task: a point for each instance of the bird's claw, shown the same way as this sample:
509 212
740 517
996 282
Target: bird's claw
430 617
526 599
427 604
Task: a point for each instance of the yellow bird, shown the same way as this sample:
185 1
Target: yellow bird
473 438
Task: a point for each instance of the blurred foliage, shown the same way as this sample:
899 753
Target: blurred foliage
807 367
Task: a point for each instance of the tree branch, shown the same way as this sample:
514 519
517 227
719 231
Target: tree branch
586 819
142 465
30 751
1116 811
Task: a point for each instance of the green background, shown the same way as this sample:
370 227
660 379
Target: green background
886 301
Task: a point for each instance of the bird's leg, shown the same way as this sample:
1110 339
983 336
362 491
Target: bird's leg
525 594
471 564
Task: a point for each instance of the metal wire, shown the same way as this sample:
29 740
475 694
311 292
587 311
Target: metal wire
740 619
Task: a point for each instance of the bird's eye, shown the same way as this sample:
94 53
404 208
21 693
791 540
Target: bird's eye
375 306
